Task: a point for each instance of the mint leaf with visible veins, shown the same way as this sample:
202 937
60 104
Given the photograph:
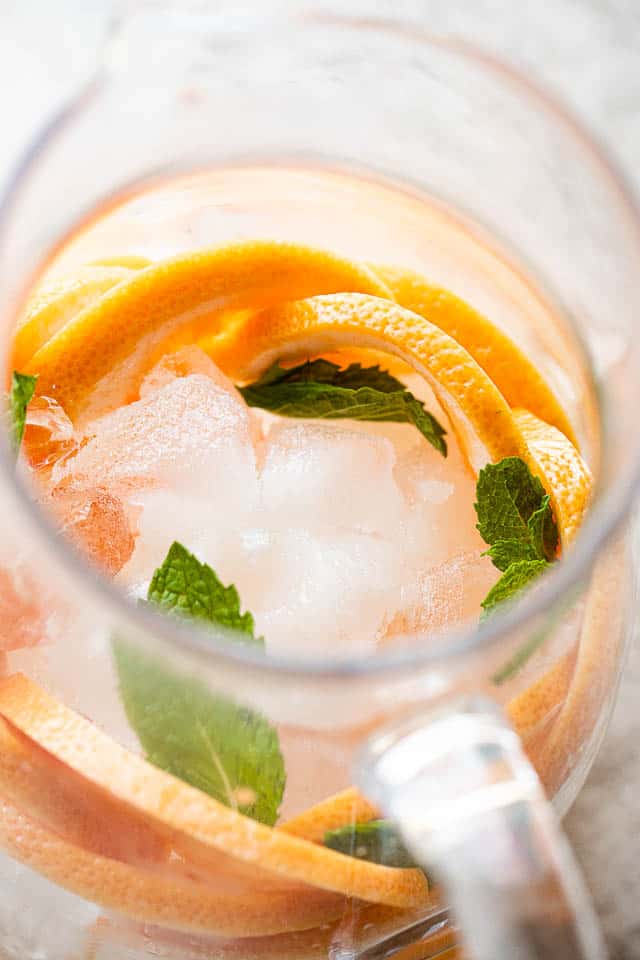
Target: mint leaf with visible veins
517 576
227 750
185 586
544 532
514 514
515 519
505 552
22 389
508 496
321 390
377 841
324 371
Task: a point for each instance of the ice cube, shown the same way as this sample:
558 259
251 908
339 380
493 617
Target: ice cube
23 616
443 595
189 360
323 595
192 435
49 434
441 494
324 475
165 516
95 521
184 362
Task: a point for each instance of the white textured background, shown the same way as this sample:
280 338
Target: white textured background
586 51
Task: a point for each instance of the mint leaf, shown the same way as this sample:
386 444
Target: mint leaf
543 531
324 371
321 390
517 576
22 389
377 841
508 495
505 552
226 750
515 519
185 586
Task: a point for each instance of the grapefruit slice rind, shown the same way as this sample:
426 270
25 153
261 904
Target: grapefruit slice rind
148 896
477 409
514 374
175 805
179 300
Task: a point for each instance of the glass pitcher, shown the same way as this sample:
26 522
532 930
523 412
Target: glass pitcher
380 143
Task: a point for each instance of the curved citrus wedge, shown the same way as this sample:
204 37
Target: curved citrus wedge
51 793
564 474
178 300
54 304
478 410
154 898
171 803
76 810
515 376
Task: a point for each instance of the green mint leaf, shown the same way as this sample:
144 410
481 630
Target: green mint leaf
505 552
508 495
543 531
515 519
22 389
377 841
228 751
299 393
517 576
324 371
185 586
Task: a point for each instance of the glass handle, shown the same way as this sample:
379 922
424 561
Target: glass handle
470 808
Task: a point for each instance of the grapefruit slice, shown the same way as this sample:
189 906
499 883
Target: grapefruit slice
55 303
148 896
320 324
175 805
515 376
562 471
179 300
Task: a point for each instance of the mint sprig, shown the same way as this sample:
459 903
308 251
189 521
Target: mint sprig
183 585
322 390
227 750
515 519
23 386
514 514
377 841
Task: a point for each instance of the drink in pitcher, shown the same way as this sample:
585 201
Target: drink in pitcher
301 467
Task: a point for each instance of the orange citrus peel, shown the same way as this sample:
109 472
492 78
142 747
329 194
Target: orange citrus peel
515 376
56 303
481 416
175 805
177 301
154 898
